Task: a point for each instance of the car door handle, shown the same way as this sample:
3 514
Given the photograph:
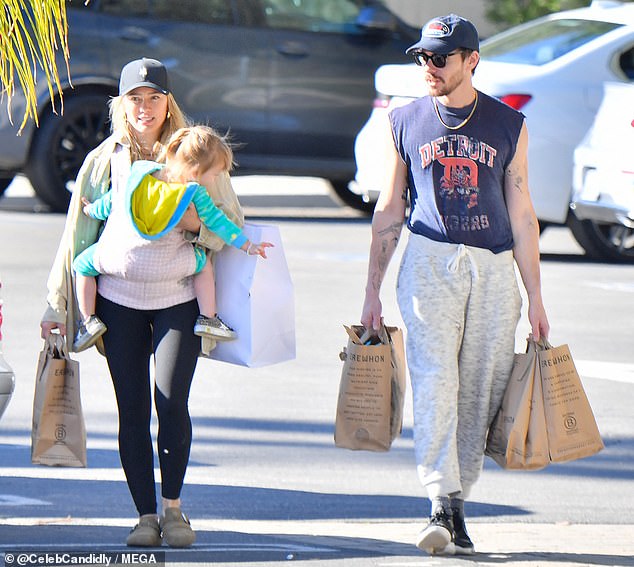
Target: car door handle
293 49
133 33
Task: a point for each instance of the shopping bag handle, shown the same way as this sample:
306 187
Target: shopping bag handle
56 345
541 344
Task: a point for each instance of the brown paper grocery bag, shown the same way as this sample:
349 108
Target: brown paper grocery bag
371 392
399 379
572 428
517 438
58 434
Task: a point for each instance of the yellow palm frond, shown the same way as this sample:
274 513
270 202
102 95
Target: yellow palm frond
31 33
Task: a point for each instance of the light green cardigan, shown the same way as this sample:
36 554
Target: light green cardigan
80 231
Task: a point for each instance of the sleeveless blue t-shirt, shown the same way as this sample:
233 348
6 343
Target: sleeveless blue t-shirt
456 176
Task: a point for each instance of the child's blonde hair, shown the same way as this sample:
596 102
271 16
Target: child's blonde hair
198 148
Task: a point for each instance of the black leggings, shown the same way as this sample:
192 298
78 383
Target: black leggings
132 337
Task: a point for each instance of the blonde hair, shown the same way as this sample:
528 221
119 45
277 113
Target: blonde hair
174 121
197 148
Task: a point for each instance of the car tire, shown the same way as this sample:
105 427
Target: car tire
605 242
347 197
4 183
61 144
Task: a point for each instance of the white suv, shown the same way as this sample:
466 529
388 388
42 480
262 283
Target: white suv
553 70
603 174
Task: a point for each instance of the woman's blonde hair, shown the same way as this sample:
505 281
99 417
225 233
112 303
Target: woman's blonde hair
198 148
119 124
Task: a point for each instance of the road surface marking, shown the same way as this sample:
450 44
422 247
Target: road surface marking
15 500
616 371
613 286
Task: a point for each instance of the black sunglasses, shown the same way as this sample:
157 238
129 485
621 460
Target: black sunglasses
439 61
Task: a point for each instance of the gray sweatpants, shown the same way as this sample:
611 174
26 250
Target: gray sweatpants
461 306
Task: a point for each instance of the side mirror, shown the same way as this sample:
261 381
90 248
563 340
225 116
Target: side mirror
7 378
7 384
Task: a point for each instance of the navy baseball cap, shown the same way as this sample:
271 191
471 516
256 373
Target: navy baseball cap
446 34
144 73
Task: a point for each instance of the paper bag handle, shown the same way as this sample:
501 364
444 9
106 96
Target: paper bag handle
56 345
541 344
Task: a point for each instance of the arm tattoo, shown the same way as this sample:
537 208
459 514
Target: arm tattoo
515 180
394 229
389 240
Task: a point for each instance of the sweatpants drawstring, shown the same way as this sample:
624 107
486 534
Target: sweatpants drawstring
454 261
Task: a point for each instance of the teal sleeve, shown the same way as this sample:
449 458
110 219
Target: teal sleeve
215 220
100 208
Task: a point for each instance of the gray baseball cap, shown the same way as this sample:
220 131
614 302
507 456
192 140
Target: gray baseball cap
445 34
144 73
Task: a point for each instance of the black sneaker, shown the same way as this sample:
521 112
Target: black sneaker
214 328
461 540
437 535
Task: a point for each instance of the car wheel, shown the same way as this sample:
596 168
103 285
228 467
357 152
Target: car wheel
4 183
61 144
606 242
347 197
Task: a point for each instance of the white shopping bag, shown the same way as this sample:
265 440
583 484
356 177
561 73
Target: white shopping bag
255 297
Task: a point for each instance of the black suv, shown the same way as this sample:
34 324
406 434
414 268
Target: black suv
292 80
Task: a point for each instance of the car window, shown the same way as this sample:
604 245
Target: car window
313 15
544 42
199 11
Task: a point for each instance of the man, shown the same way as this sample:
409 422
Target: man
460 157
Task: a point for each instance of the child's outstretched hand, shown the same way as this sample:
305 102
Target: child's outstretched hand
253 249
86 204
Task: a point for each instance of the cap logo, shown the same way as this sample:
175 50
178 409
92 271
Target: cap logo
143 73
436 28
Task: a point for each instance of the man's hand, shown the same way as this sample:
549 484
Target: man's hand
371 315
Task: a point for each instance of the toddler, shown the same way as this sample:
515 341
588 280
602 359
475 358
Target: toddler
157 196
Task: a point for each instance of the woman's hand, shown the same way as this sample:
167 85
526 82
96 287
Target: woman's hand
190 220
47 326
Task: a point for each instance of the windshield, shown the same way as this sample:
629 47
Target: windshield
543 42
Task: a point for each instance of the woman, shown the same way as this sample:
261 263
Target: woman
147 311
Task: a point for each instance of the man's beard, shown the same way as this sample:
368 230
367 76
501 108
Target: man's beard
443 87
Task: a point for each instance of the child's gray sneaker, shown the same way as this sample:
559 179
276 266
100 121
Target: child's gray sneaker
88 333
214 328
